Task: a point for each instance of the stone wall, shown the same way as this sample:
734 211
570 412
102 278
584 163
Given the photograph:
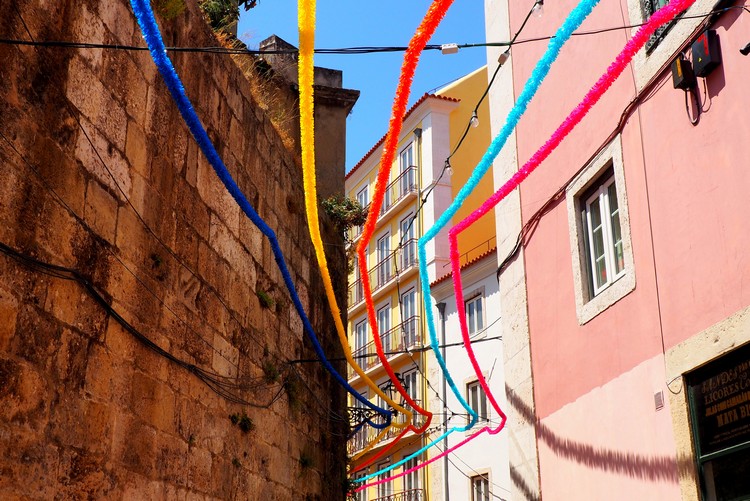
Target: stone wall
100 175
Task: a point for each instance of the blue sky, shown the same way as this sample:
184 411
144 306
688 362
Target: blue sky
385 23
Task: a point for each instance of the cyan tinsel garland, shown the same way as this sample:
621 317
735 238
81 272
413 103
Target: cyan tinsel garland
571 23
146 20
662 16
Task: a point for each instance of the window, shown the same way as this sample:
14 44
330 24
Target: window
649 7
360 336
603 234
357 290
384 489
384 327
363 198
411 480
480 488
477 400
603 265
475 314
411 384
408 243
406 162
361 495
409 317
384 261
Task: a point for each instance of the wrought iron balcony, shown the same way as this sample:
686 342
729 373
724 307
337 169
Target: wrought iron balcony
367 434
403 185
408 495
402 259
406 335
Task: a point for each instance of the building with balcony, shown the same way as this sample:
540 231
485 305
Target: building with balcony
626 311
421 188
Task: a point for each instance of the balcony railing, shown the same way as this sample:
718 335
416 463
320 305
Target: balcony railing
367 434
406 335
398 261
403 185
410 495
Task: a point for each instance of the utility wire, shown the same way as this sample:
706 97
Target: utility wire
327 411
221 385
372 49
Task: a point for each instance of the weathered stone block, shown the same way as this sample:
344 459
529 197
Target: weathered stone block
153 401
214 195
136 149
8 313
134 444
199 470
113 171
101 211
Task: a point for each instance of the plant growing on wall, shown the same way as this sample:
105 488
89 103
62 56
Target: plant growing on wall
242 421
344 211
223 14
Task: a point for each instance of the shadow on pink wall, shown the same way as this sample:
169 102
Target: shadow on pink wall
655 468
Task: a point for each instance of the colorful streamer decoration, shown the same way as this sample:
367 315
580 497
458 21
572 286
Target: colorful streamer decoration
145 17
427 27
662 16
563 34
571 23
306 69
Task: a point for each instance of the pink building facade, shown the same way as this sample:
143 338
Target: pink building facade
627 308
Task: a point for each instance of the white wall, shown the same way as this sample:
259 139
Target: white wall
487 454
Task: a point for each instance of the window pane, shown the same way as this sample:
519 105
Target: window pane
595 211
601 272
480 319
614 216
474 319
731 476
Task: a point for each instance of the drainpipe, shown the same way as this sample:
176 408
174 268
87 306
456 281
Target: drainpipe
446 495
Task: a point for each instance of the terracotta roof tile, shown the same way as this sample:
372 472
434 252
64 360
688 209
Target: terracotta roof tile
466 265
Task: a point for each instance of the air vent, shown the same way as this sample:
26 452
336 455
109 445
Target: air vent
658 400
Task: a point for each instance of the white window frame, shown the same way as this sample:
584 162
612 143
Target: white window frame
411 378
413 477
480 487
386 488
383 256
410 338
408 180
384 313
475 323
408 242
363 197
608 259
590 303
357 339
477 400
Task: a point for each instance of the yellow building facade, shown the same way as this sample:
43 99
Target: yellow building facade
422 185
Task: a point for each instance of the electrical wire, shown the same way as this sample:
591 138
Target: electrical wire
221 385
401 352
356 50
434 15
306 29
571 23
149 27
327 412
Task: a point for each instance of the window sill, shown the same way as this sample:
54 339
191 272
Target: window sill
606 298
